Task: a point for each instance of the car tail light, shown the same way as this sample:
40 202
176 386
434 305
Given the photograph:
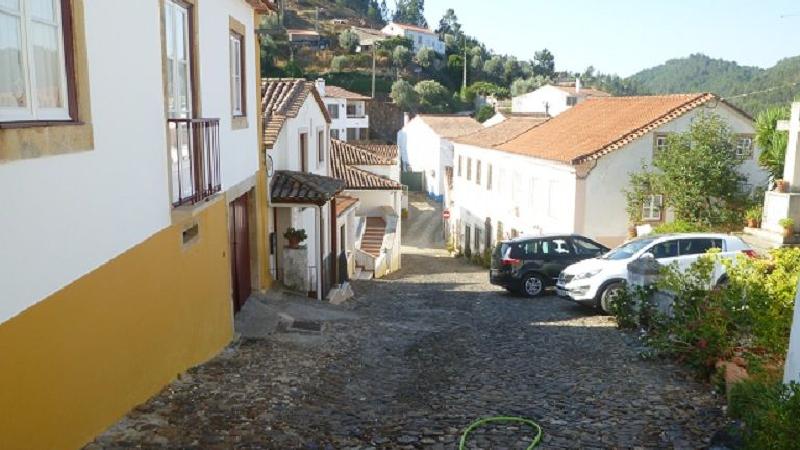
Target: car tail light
751 253
509 261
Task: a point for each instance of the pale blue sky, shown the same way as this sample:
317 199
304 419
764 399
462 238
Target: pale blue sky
625 36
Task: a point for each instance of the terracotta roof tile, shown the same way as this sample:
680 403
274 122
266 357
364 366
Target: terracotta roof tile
338 92
355 155
281 99
301 187
601 125
386 151
416 28
356 178
451 126
501 132
343 203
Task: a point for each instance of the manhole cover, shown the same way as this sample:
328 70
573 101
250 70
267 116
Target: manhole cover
307 325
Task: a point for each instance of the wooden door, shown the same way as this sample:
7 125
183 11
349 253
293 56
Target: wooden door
240 252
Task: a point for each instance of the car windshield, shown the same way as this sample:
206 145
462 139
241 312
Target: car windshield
628 249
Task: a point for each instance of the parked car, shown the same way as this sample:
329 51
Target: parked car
598 282
528 265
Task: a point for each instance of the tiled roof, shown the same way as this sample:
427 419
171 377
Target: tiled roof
302 32
343 203
356 178
338 92
355 155
451 126
263 5
416 28
501 132
585 92
301 187
598 126
281 99
386 151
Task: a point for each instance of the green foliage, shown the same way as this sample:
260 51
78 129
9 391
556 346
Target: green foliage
293 70
522 86
448 25
754 213
393 42
487 88
680 226
485 113
641 185
770 411
401 57
494 67
771 141
404 95
486 258
292 233
340 62
455 66
425 57
786 222
433 97
544 63
349 40
360 82
410 12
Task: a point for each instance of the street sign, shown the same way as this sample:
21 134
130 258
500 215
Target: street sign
446 214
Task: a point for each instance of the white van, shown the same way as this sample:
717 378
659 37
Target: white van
598 281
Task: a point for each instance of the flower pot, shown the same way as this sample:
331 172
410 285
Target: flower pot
788 232
294 242
752 223
631 232
782 186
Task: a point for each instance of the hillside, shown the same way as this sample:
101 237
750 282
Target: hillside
727 78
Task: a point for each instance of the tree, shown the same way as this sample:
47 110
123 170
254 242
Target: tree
449 24
455 66
522 86
494 68
544 63
349 40
771 141
404 96
339 63
511 69
697 174
385 12
485 113
411 12
433 97
425 57
401 57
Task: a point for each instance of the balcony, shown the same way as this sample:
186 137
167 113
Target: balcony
194 158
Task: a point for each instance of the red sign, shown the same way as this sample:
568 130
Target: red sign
446 214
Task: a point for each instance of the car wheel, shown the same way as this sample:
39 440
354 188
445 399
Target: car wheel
532 285
610 294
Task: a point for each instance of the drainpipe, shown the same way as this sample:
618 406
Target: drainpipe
318 226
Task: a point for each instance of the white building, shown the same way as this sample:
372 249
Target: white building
568 174
419 36
130 172
302 193
426 147
348 112
553 99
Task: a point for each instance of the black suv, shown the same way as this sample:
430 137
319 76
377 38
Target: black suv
527 265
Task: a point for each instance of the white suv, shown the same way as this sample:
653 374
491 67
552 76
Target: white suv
596 282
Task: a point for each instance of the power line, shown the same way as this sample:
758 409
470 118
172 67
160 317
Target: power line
774 88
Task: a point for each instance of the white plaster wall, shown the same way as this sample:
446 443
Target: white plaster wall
606 218
427 39
286 151
420 148
535 101
371 202
340 123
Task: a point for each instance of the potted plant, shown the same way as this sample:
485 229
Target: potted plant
788 226
753 216
295 237
631 231
781 186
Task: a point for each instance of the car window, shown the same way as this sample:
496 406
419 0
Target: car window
698 246
549 247
667 249
628 249
585 247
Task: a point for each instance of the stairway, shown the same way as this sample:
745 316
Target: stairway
372 241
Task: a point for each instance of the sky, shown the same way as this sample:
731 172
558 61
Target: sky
626 36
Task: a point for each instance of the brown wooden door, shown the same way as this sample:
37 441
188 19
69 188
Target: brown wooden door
240 252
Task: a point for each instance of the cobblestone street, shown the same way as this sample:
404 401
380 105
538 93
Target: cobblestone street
416 357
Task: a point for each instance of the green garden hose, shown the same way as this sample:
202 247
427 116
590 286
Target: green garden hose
480 422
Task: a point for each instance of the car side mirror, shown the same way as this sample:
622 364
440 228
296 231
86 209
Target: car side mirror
647 255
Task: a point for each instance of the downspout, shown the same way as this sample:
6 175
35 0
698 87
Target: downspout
318 226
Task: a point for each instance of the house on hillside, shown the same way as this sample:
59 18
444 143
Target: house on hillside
371 174
302 192
132 223
554 99
310 38
419 36
348 112
568 174
426 148
368 38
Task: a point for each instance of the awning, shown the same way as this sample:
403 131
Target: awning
303 188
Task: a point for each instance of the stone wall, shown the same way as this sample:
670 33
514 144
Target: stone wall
385 120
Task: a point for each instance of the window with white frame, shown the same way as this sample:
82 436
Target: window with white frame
237 74
660 142
335 134
478 172
333 111
488 177
469 169
459 165
33 64
321 146
179 61
652 207
744 146
572 101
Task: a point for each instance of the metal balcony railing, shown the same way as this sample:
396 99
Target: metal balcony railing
194 159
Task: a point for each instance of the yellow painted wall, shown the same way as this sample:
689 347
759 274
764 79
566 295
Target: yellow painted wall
73 364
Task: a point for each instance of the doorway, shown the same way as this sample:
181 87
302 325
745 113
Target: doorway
240 252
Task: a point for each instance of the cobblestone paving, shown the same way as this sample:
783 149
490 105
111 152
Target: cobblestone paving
431 349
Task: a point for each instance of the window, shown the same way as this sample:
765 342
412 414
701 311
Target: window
744 146
321 146
478 237
660 142
651 207
469 169
698 246
352 134
303 152
459 165
33 61
335 134
488 177
179 62
333 111
477 172
546 247
668 249
572 101
238 94
585 247
352 111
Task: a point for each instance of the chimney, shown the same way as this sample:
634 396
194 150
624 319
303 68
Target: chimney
577 85
321 86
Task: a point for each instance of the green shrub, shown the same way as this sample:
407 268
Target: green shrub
486 260
680 226
770 412
485 113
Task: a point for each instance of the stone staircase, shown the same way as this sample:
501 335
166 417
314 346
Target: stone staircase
372 241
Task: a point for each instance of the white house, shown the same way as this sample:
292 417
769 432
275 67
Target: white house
553 99
348 112
426 147
302 192
130 172
371 174
568 174
419 36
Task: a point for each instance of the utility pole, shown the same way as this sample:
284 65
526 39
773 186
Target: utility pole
464 83
374 44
